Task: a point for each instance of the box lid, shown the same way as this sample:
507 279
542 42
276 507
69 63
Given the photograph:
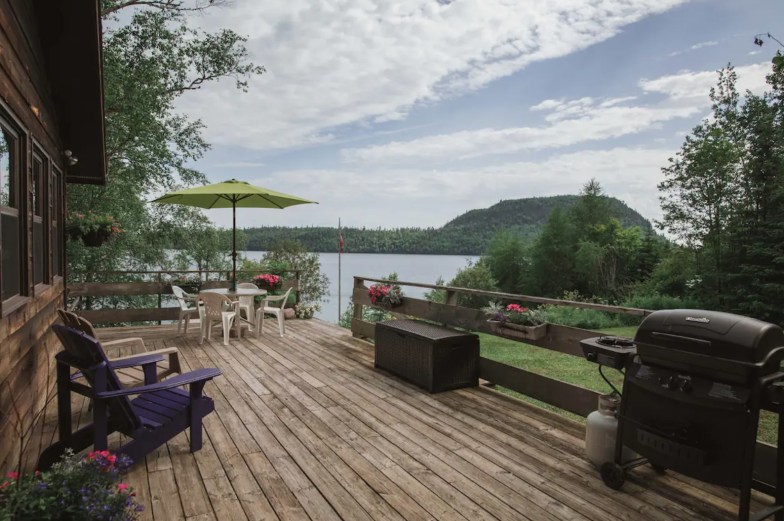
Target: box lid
423 329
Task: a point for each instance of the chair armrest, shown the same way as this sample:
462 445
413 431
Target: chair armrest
138 342
199 375
128 361
133 361
164 351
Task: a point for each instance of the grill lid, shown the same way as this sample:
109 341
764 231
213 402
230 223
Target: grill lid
707 333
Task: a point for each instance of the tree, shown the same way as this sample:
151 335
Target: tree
148 63
553 257
702 191
506 259
313 284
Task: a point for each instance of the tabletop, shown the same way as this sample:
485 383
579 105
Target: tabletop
239 292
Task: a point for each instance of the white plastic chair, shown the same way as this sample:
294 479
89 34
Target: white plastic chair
246 302
276 308
218 309
186 312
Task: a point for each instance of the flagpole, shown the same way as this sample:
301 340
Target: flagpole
340 260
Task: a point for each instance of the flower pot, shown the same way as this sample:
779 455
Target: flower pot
73 233
288 313
517 331
96 238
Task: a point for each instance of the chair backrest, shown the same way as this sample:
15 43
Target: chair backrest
73 320
283 301
213 304
85 352
181 295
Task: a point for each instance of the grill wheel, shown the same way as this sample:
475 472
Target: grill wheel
613 475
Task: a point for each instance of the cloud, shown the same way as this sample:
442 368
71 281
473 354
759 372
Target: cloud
347 61
694 47
239 164
690 87
569 122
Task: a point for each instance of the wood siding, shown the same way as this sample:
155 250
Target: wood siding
26 345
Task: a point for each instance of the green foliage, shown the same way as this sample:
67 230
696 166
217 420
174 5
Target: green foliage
151 57
201 245
313 283
553 257
506 258
474 276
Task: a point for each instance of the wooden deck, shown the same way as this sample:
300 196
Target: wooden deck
306 428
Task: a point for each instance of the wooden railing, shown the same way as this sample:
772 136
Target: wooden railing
83 295
562 339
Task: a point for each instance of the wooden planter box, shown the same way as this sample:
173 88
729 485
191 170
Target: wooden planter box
518 332
432 357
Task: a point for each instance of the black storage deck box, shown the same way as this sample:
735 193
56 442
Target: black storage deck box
432 357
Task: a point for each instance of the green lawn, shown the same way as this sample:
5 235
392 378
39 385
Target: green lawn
572 369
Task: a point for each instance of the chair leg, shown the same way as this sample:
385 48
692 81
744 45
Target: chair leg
179 324
227 323
281 327
187 321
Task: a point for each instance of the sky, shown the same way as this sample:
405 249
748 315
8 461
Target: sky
411 112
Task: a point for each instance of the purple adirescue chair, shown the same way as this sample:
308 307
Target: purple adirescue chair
160 411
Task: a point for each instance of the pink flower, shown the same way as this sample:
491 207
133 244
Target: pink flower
122 487
12 475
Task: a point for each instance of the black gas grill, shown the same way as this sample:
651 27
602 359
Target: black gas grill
692 397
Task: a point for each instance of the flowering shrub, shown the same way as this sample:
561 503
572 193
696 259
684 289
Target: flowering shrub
305 310
267 280
92 222
75 488
385 295
517 314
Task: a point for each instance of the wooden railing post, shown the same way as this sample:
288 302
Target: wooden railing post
359 283
160 300
298 293
451 298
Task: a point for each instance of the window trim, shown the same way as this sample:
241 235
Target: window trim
44 201
12 123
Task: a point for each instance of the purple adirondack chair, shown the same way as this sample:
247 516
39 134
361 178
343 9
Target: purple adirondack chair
160 411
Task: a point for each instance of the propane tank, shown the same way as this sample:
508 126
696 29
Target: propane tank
600 431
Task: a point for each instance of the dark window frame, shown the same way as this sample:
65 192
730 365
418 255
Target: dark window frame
19 211
57 201
41 214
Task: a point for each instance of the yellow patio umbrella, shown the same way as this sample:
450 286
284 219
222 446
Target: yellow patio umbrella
231 194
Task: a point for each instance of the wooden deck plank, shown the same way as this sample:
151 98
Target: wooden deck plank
306 428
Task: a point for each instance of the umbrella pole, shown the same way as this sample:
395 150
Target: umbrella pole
234 245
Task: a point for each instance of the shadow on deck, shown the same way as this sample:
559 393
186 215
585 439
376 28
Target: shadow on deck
306 428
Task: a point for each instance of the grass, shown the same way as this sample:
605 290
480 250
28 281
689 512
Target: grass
574 370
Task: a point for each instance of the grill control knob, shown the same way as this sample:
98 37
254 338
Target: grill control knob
686 386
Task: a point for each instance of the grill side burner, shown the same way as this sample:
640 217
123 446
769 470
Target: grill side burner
692 398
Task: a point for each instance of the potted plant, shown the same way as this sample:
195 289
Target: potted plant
305 311
385 295
517 322
94 229
268 281
74 488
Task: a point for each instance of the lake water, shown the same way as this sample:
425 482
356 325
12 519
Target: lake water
410 268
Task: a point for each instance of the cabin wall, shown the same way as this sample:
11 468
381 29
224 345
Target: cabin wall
27 346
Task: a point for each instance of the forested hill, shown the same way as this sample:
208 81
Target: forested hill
468 234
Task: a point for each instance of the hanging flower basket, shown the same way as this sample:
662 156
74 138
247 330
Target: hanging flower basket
93 229
385 296
517 331
96 238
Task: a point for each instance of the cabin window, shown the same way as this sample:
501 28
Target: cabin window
57 222
40 220
10 226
